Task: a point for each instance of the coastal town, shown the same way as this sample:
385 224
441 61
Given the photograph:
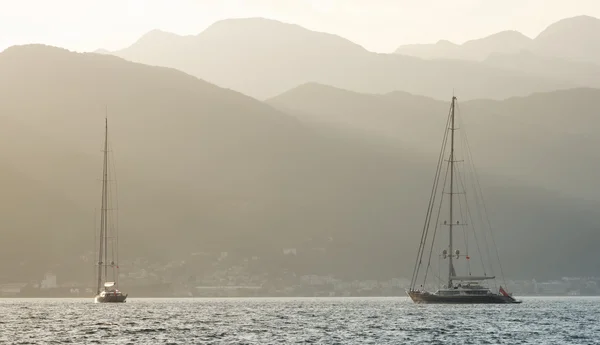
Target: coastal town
217 275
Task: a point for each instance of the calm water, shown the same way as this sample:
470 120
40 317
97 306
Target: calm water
538 321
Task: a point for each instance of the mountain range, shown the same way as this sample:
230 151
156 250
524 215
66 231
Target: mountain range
567 50
575 38
263 58
344 177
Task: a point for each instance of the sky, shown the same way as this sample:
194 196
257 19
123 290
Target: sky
378 25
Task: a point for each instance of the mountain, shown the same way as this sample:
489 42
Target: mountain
507 42
201 168
576 38
38 224
198 168
263 58
564 51
580 73
531 139
442 49
542 145
503 42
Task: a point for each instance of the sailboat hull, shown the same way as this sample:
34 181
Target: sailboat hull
430 298
110 298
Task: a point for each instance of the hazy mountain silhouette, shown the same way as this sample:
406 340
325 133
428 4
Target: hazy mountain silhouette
581 73
545 142
205 168
263 58
507 42
39 224
199 167
513 128
576 38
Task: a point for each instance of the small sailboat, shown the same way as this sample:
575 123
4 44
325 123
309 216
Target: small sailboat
107 267
452 287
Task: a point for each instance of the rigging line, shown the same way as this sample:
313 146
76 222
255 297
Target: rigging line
109 230
463 216
481 256
489 224
105 196
471 165
113 240
470 217
437 222
432 197
428 227
115 219
478 195
96 266
117 227
460 209
102 248
436 188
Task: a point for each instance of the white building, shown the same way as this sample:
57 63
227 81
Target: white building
49 282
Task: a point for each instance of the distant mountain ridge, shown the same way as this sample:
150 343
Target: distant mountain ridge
579 72
262 58
576 38
545 140
566 118
205 168
477 50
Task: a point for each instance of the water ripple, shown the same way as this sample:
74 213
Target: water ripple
298 321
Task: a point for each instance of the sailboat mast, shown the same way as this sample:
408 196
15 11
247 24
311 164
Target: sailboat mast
104 197
452 129
102 257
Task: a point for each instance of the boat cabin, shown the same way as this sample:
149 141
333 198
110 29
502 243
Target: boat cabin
465 288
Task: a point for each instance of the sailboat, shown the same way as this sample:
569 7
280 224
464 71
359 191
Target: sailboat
453 288
107 267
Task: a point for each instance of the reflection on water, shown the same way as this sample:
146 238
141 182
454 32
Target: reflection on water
542 320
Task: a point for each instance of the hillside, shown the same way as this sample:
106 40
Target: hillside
540 148
506 42
200 168
532 139
263 58
580 73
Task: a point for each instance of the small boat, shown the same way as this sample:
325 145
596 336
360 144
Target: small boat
110 294
452 288
107 291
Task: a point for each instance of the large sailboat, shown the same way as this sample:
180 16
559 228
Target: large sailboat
107 266
449 186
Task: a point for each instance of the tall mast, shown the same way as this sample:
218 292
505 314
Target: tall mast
104 197
102 253
452 129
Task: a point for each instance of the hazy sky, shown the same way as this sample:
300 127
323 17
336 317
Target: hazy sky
378 25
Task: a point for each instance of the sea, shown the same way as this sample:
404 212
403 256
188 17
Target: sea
538 320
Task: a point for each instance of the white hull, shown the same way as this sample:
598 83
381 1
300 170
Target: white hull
110 298
114 296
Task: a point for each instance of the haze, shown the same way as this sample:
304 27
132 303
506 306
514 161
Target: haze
378 25
266 143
